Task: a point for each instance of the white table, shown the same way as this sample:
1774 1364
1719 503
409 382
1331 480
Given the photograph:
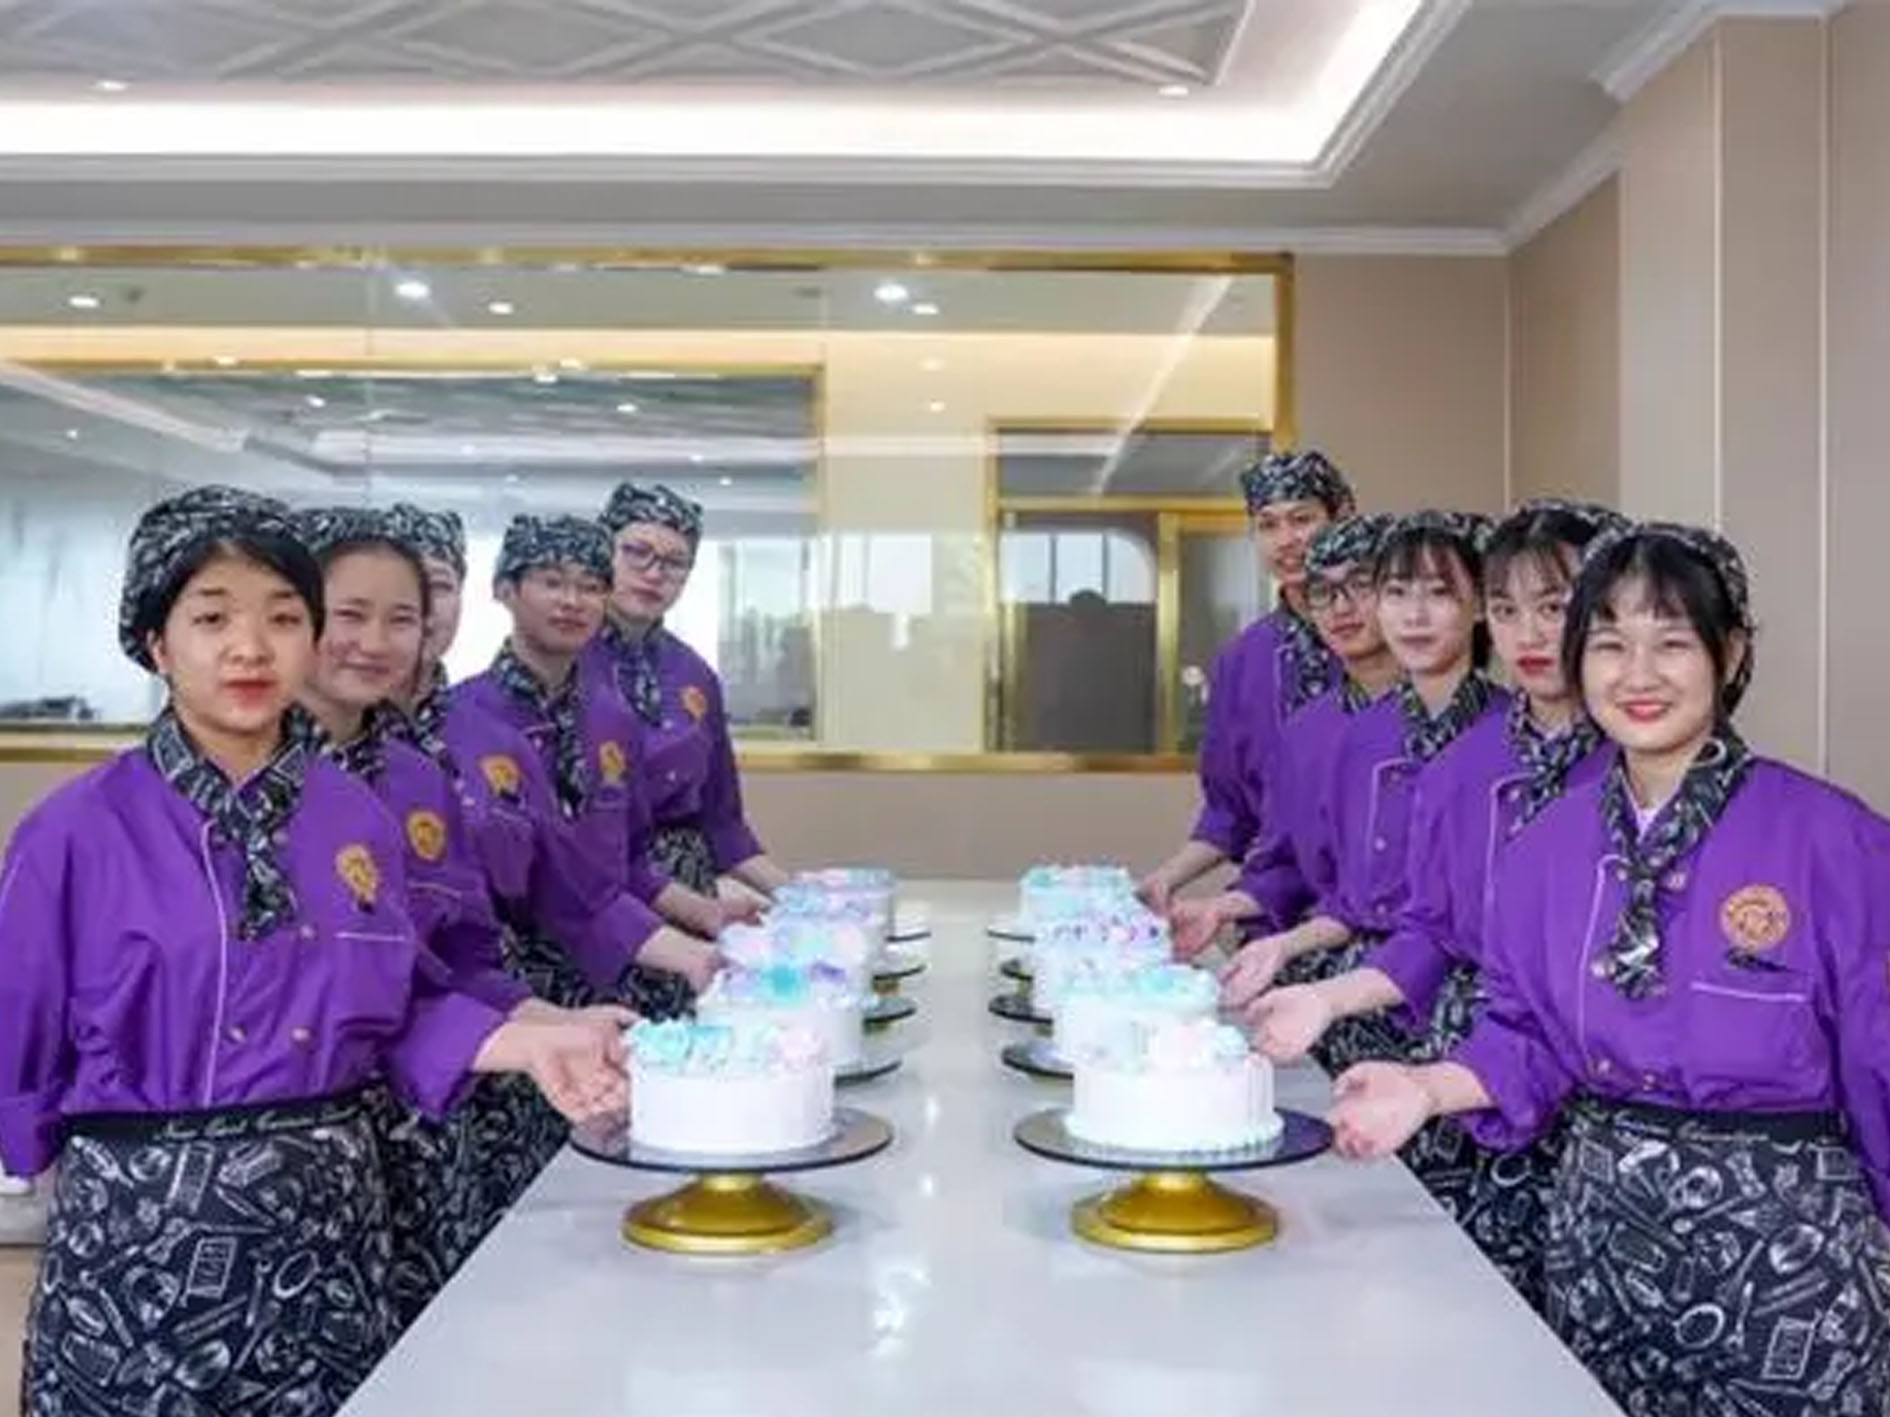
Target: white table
953 1284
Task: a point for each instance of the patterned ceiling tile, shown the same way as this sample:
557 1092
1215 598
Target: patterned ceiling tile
1081 42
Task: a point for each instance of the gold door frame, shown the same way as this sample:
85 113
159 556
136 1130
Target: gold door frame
1174 518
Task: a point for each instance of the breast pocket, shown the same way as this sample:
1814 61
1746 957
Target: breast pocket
1754 1032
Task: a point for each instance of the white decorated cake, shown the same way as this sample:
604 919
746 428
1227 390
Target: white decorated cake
817 997
1110 945
862 892
1048 893
747 1088
838 941
1176 1087
1097 1004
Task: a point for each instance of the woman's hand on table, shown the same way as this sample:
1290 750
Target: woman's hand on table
1250 973
580 1071
1285 1023
1377 1108
1194 924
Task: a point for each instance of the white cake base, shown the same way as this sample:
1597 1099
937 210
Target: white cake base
1219 1109
731 1114
1085 1020
841 1030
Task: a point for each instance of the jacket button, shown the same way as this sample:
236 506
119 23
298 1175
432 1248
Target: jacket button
1676 880
1379 844
300 1036
307 932
1603 1066
238 1034
1599 969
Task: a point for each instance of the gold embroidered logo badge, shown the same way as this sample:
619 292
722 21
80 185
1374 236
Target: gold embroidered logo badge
695 703
501 774
1755 918
426 834
355 865
611 760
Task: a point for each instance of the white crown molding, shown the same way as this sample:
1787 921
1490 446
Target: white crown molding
1415 49
1645 53
897 241
1589 168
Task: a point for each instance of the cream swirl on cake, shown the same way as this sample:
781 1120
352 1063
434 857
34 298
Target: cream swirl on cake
745 1086
1180 1086
805 940
1095 1002
1112 943
862 892
821 998
1048 893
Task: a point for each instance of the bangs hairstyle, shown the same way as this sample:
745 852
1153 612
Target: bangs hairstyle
1417 552
1676 582
1543 539
283 555
407 552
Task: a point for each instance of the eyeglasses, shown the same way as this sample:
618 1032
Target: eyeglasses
641 556
1323 595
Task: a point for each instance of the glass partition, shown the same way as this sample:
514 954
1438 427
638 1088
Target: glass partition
948 497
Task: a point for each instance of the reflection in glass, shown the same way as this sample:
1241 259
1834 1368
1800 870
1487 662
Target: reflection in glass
851 589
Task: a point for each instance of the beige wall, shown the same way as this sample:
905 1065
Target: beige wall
1401 375
1858 399
1565 355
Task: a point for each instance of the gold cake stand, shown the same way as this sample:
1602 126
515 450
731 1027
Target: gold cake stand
1173 1206
729 1207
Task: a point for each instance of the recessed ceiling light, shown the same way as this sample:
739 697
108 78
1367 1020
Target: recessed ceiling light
314 374
626 407
652 376
725 482
111 85
891 292
511 479
706 269
936 405
411 289
73 434
1174 90
570 363
695 457
84 302
466 450
925 307
315 401
501 307
224 361
544 376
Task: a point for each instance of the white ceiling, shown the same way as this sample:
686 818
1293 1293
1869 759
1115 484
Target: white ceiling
1478 106
1072 44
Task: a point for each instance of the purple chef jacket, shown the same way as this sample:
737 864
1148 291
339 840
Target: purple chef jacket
446 887
1288 868
613 826
688 756
1246 708
1776 996
123 987
1469 807
534 866
1365 816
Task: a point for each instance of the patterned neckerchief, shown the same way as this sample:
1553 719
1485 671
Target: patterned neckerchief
1547 757
1633 960
562 709
1311 668
633 657
1425 735
424 725
1354 696
248 816
364 756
